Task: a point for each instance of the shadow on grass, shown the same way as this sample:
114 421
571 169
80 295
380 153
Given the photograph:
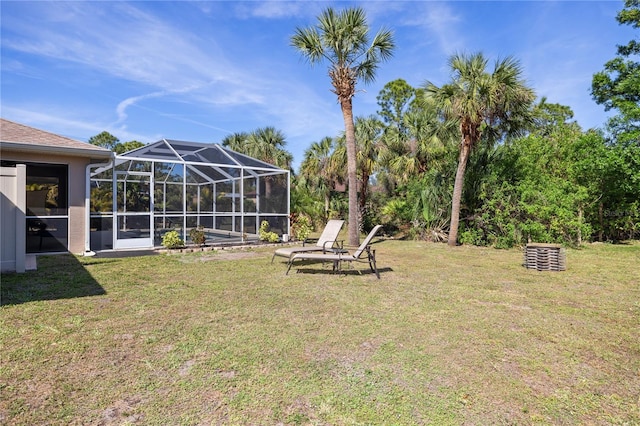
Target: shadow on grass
329 271
57 277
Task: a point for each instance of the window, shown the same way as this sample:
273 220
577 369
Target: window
47 208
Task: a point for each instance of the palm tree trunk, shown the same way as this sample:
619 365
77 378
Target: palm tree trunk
457 193
353 235
364 192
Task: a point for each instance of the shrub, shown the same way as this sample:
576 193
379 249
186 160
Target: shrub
172 240
197 235
300 226
266 235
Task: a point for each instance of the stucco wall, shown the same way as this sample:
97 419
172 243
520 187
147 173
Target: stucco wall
12 218
77 187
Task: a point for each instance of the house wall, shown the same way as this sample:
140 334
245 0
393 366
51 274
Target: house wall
12 219
77 187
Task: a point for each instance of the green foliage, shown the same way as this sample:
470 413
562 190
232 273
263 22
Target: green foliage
422 209
486 107
318 174
197 235
371 212
266 235
618 85
556 184
472 236
394 100
105 140
121 148
342 39
300 226
396 212
339 206
306 200
265 144
172 240
112 143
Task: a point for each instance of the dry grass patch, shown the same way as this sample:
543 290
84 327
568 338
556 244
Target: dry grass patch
447 336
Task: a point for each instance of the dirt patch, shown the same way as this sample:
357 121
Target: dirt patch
122 411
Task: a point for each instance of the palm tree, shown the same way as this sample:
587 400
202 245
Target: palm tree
318 170
368 131
486 106
265 144
425 145
342 39
236 141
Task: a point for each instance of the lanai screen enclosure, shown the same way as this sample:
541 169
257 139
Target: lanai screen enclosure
176 185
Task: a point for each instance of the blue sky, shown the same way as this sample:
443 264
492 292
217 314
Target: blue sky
200 71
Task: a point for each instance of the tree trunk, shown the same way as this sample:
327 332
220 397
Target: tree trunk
457 193
364 193
601 219
353 235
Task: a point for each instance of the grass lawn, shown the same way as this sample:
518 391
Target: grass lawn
447 336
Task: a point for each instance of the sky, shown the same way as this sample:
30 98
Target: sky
200 71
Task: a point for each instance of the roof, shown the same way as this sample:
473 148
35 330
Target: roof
18 137
204 162
198 153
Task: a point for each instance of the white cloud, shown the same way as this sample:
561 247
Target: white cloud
128 43
61 124
440 22
271 9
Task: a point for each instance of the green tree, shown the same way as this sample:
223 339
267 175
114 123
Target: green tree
368 131
617 87
265 144
558 184
611 174
319 171
304 200
112 143
105 140
343 40
426 145
268 144
121 148
547 117
394 100
486 107
236 141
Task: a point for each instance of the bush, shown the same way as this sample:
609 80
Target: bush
197 235
300 226
172 240
471 236
266 235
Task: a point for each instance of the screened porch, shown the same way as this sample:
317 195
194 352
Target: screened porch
177 185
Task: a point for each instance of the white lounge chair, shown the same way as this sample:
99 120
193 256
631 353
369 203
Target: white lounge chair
339 255
327 240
